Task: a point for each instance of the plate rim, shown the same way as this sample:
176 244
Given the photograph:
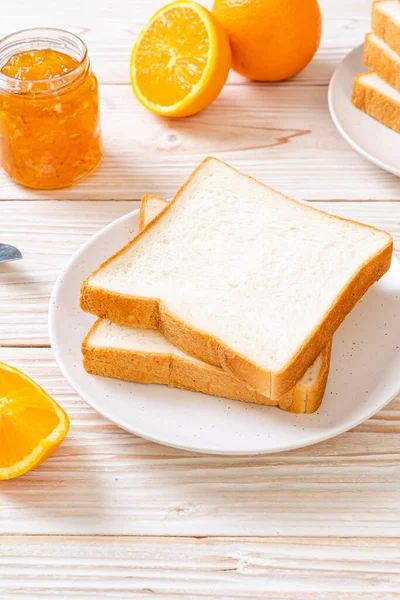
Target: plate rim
340 128
314 439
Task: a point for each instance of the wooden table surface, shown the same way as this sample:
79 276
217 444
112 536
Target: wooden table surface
111 515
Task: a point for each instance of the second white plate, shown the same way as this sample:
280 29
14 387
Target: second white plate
364 374
369 137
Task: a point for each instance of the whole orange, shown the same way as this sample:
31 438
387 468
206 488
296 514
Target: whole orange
271 40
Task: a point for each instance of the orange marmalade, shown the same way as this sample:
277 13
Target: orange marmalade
49 109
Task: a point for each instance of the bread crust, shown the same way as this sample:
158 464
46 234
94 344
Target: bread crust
307 400
152 313
177 371
142 212
385 28
379 61
375 104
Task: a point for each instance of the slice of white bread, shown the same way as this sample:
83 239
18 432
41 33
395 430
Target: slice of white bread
377 98
241 277
385 22
146 356
382 60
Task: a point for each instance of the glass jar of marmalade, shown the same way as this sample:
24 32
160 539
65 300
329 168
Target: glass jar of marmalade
49 109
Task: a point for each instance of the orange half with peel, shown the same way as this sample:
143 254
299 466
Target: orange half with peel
32 424
180 61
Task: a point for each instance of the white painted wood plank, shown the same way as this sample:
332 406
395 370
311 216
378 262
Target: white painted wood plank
110 30
48 233
304 569
280 135
124 9
103 480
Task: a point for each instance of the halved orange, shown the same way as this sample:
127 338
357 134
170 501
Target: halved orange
32 424
181 60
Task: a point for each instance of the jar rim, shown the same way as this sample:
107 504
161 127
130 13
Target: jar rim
42 35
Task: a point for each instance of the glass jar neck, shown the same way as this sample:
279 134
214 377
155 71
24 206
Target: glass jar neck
40 39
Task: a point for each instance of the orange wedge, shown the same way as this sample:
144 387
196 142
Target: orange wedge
180 61
32 425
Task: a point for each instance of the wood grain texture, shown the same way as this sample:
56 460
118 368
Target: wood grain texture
282 135
105 481
187 568
48 235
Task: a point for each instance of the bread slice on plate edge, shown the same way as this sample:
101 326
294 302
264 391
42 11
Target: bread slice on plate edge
152 313
170 368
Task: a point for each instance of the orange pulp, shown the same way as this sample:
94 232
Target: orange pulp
32 424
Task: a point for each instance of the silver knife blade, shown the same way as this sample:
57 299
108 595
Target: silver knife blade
8 253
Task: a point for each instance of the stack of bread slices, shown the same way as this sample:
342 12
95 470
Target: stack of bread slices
230 289
377 92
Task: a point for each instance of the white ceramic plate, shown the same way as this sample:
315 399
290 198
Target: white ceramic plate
364 375
369 137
